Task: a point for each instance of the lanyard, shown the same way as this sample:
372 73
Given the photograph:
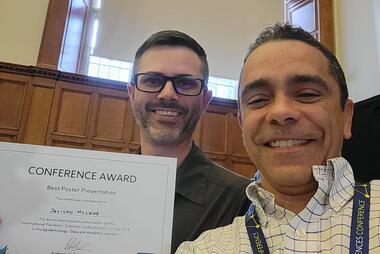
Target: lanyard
255 233
360 220
359 224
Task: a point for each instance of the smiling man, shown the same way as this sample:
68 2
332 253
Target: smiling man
294 114
168 94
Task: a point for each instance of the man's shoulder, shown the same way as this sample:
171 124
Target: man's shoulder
375 187
223 176
217 174
223 238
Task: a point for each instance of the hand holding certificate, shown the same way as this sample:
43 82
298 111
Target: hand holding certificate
55 200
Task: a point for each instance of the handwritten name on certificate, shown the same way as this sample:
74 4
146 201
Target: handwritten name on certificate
69 201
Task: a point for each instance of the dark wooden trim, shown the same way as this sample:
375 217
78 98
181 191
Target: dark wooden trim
224 102
61 76
54 29
326 22
87 80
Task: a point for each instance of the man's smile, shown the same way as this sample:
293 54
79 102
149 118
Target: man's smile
166 112
287 143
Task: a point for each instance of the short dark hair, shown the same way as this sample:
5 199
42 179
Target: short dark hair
172 38
279 32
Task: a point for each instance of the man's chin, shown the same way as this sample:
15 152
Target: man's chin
165 137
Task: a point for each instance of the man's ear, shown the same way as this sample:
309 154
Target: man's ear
207 96
348 113
131 91
239 120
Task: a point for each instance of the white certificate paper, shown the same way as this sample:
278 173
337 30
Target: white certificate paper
70 201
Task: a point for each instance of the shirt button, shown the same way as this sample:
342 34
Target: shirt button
300 232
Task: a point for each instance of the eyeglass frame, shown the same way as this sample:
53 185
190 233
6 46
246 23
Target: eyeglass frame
166 79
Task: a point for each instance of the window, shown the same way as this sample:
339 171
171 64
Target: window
118 70
101 67
109 69
224 88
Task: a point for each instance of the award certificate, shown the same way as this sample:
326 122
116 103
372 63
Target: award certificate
70 201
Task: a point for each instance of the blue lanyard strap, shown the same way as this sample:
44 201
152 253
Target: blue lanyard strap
359 225
360 220
255 233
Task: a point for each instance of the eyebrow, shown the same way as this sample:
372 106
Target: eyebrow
177 75
256 84
300 79
292 80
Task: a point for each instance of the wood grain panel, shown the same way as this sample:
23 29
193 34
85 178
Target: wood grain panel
243 168
73 112
40 107
135 133
52 37
8 135
12 96
214 132
219 159
68 144
235 137
326 23
107 148
111 118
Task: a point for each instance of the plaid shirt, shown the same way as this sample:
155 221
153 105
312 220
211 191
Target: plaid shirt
324 226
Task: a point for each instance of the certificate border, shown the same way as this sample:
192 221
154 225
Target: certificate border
25 149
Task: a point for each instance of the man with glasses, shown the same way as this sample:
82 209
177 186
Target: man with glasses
168 93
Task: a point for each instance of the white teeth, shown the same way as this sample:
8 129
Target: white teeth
167 113
287 143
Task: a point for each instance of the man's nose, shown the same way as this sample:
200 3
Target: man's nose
168 92
283 111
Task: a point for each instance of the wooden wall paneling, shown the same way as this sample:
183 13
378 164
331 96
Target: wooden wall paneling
90 117
90 125
69 121
133 131
111 121
235 137
13 94
7 135
237 158
198 131
74 112
214 131
243 166
220 159
39 111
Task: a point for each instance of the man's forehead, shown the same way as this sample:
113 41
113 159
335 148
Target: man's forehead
276 57
169 59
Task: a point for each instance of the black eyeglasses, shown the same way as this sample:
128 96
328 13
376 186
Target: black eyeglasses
154 83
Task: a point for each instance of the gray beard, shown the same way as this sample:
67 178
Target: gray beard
166 135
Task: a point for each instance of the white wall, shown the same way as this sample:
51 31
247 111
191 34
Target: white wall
357 30
224 28
21 27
